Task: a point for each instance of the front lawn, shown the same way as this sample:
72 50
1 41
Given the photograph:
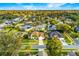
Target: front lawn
27 47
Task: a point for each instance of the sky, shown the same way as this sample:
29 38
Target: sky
39 6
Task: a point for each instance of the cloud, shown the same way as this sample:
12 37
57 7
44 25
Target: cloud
55 5
29 7
49 6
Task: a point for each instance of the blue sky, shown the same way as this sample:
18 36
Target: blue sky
39 6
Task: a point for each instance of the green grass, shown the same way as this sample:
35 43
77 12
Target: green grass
22 53
30 41
1 21
34 52
26 46
45 41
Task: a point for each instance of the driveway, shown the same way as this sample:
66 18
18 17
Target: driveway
41 50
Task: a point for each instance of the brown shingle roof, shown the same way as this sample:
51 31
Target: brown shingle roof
38 34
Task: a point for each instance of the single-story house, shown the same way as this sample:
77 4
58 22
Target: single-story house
36 34
25 27
51 34
52 27
76 28
8 22
40 27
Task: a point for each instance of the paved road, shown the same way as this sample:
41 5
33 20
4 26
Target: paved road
63 41
76 40
71 53
38 46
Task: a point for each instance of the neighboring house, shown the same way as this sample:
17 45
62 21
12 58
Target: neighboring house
60 22
8 22
16 20
33 16
4 24
76 28
49 15
1 28
25 27
51 34
40 27
68 21
52 27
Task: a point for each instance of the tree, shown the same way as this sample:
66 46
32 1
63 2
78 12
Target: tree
68 38
53 21
54 47
1 21
64 27
10 43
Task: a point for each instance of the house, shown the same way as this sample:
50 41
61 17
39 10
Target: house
40 27
16 20
51 34
36 35
76 28
1 28
33 16
51 27
8 22
25 27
